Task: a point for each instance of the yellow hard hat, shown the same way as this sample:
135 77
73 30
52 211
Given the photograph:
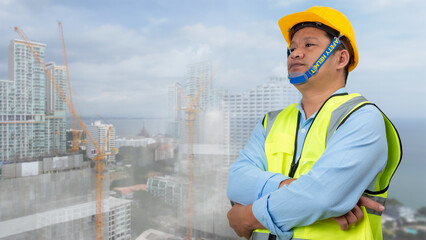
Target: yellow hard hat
324 15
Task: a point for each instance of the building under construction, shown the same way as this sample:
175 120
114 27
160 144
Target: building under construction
57 202
58 196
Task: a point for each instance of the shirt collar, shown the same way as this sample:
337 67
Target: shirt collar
302 112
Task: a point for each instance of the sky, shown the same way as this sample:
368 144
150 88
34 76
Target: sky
122 54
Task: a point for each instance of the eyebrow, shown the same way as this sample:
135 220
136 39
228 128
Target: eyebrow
307 38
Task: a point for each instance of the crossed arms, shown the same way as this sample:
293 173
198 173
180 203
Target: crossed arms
356 153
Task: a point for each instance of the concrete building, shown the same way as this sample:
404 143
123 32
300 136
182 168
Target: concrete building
170 190
242 111
152 234
59 205
133 142
32 122
199 76
99 132
174 106
23 108
119 218
46 165
55 110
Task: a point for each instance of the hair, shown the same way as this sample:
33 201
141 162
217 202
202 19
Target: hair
330 33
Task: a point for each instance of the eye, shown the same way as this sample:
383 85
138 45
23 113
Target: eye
309 44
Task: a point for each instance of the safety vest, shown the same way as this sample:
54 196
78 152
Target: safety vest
280 148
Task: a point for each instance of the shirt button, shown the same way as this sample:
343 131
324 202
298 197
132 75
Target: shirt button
303 130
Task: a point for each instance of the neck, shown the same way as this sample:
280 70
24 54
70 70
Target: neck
314 98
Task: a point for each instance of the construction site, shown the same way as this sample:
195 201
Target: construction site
88 183
48 191
86 187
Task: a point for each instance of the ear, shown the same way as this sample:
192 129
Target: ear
342 59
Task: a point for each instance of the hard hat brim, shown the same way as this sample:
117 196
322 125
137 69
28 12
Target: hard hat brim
287 22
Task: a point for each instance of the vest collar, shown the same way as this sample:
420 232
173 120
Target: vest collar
302 112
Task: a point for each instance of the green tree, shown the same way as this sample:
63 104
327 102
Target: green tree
393 201
422 211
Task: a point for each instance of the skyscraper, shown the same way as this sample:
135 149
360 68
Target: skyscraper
242 111
174 108
99 131
199 78
23 116
55 110
32 116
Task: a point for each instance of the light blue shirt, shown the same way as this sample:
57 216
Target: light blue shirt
354 156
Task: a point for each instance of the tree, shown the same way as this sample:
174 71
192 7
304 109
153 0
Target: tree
422 211
393 201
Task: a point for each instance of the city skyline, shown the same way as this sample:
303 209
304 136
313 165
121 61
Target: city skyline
146 45
134 61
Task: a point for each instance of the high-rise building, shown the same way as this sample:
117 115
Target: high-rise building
174 108
99 131
23 117
55 110
199 81
242 111
32 116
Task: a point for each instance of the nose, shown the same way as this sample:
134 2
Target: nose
296 53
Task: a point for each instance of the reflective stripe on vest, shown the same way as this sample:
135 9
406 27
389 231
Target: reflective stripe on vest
280 145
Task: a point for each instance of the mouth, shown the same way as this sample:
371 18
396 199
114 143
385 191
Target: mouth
295 66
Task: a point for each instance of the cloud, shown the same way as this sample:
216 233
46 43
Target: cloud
137 61
380 5
286 3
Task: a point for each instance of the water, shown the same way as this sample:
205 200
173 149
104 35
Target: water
409 183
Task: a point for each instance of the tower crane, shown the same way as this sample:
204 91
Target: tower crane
100 157
75 137
191 109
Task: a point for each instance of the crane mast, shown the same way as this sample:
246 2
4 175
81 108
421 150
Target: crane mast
100 150
191 109
75 138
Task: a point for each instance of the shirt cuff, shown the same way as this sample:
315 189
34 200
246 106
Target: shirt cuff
272 184
261 213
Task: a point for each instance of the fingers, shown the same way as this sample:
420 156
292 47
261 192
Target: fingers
342 221
235 216
357 212
368 203
349 218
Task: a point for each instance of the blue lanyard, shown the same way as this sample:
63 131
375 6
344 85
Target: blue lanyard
299 78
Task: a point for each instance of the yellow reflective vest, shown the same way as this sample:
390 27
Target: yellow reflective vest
280 146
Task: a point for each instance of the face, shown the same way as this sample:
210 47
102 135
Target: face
306 47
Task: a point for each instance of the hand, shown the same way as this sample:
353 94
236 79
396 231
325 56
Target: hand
356 213
349 218
242 220
286 182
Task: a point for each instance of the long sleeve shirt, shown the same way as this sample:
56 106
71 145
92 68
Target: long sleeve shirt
354 156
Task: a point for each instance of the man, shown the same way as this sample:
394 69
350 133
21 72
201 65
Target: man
312 169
